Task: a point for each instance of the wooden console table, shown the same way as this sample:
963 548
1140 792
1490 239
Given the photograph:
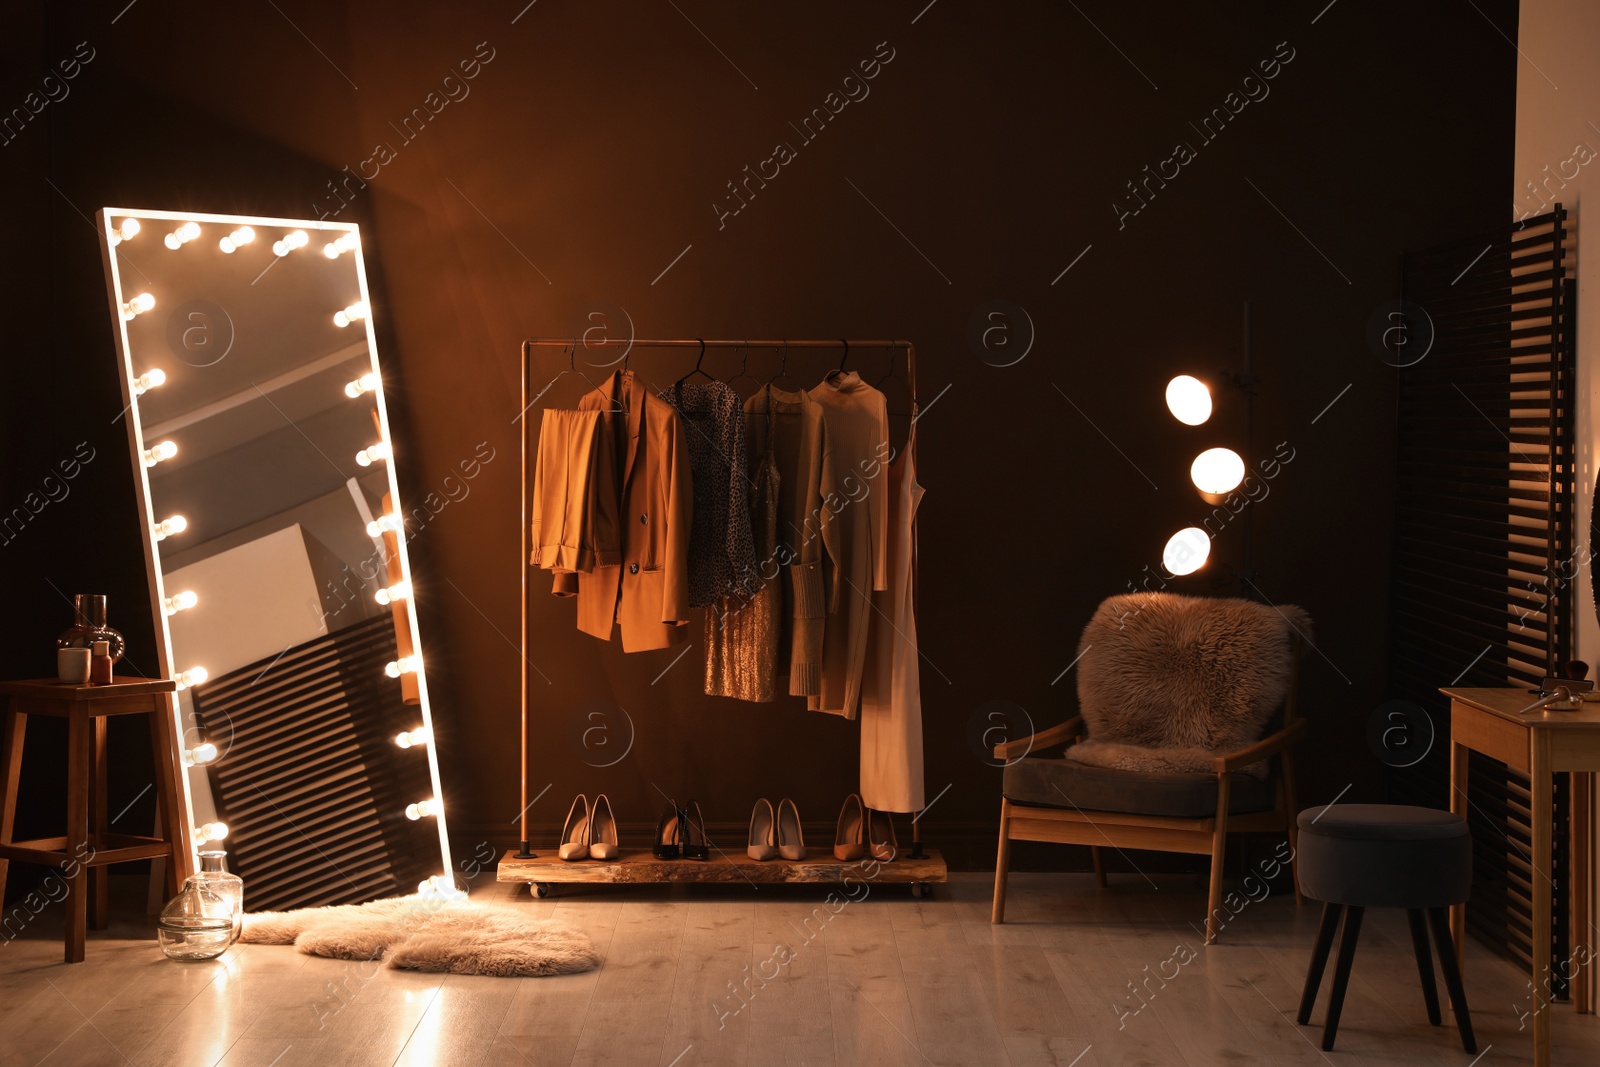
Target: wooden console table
1539 744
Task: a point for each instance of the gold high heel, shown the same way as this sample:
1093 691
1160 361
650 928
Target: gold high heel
763 840
791 842
575 833
602 830
880 835
848 843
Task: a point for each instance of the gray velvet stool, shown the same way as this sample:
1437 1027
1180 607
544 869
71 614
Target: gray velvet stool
1358 856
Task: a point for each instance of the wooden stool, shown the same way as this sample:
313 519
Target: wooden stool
89 845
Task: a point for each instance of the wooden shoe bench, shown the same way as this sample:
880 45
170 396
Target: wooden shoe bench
546 870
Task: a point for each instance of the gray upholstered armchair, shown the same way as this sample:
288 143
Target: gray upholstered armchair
1171 748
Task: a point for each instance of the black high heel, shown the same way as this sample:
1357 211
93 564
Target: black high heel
669 833
695 846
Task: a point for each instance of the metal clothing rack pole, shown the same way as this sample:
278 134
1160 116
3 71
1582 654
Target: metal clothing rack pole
528 347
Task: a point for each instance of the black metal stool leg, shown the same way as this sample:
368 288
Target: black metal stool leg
1341 973
1439 918
1319 960
1419 944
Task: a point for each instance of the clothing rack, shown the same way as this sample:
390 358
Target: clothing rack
917 868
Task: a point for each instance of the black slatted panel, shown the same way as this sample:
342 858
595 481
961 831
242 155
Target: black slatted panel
310 783
1485 529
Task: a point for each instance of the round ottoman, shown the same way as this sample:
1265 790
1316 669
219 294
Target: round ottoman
1358 856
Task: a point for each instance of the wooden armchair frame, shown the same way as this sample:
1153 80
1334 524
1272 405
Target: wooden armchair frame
1158 833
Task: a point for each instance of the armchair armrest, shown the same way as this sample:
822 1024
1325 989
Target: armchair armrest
1267 746
1047 738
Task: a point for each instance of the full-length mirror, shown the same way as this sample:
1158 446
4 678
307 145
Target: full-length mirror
280 584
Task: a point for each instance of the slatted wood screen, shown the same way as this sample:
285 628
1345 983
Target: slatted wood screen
1485 531
310 782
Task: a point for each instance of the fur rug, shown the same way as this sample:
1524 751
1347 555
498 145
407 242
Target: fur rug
1168 683
420 934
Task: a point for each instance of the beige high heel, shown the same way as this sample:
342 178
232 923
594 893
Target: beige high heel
763 844
848 837
575 832
880 835
791 841
602 830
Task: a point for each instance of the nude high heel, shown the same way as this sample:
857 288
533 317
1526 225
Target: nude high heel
791 842
880 835
602 830
849 836
575 833
763 842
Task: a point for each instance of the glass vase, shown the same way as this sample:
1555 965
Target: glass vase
215 875
197 924
89 626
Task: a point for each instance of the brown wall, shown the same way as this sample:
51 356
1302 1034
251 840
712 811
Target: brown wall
985 159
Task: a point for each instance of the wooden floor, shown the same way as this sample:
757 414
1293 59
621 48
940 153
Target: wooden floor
887 980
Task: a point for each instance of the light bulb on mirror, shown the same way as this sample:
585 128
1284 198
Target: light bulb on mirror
211 831
242 236
290 242
128 228
403 665
364 384
159 451
354 313
182 235
1186 551
200 755
423 809
169 526
398 591
420 736
337 248
150 379
367 456
192 677
137 306
1217 471
1189 400
389 523
180 602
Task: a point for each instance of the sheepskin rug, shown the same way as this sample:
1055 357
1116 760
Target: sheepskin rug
1168 683
421 934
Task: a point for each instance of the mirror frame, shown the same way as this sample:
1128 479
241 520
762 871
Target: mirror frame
448 884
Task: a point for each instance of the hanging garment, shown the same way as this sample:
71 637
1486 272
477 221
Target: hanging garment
891 692
742 630
575 469
647 595
790 426
855 502
722 555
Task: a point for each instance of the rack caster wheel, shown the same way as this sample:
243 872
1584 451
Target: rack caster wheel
919 890
541 889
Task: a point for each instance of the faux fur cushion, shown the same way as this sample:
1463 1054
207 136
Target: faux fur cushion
1169 682
421 934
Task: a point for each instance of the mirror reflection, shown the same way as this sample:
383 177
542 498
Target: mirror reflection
280 582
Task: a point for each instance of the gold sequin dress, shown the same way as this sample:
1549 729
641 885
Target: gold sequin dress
742 630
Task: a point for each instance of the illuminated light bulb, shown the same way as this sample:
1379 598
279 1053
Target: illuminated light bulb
403 665
1189 400
391 523
174 525
200 755
242 236
420 736
172 241
130 228
367 456
279 248
423 809
1186 551
211 831
354 313
181 602
150 379
398 591
364 384
1217 471
158 452
137 306
182 235
192 677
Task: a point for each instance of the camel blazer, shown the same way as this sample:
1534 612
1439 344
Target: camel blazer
647 596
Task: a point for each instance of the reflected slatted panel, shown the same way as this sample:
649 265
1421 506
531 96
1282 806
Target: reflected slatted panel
1485 530
309 781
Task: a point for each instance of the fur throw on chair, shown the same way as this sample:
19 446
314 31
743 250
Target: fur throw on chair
427 934
1167 683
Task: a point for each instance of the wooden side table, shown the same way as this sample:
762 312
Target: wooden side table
89 845
1539 744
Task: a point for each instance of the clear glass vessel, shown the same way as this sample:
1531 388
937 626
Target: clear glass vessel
89 626
230 887
197 924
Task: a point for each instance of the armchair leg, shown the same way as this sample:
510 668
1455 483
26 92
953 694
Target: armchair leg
1291 811
1099 867
1219 855
1002 862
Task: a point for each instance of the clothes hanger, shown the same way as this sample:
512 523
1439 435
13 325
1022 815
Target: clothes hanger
744 370
571 368
894 363
842 360
783 369
696 369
